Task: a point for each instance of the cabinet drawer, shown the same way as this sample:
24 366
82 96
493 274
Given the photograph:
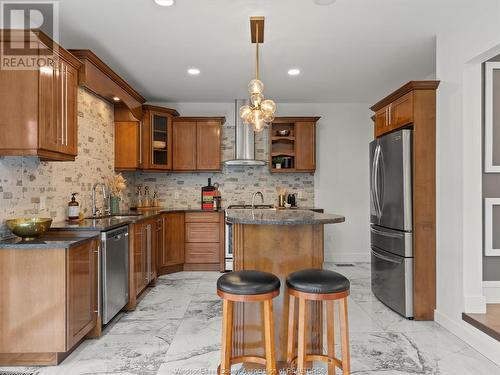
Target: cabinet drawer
202 232
202 217
202 253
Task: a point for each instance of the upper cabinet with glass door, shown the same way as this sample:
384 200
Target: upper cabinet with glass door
157 137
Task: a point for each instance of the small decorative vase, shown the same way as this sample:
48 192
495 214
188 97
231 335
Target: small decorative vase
278 165
114 204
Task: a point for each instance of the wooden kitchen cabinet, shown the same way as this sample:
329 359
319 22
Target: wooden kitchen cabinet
144 254
197 143
381 120
401 111
52 304
394 115
128 145
157 138
171 255
305 146
204 248
184 149
208 145
82 296
298 147
413 106
39 107
192 241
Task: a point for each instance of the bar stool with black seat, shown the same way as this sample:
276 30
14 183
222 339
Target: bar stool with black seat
318 285
247 286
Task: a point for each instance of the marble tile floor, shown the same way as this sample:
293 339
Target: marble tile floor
176 330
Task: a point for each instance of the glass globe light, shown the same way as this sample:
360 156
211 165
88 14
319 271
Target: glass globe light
256 116
248 117
245 110
268 105
268 117
258 126
255 86
256 99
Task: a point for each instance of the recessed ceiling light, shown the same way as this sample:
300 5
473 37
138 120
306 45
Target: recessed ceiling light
165 3
294 72
194 71
324 2
116 98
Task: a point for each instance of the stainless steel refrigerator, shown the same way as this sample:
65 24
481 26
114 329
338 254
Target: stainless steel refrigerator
391 220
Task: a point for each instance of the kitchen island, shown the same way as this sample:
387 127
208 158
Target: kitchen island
280 242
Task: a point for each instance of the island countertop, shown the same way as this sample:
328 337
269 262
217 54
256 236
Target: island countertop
281 217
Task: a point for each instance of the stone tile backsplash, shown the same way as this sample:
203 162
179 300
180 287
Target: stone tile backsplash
29 187
237 184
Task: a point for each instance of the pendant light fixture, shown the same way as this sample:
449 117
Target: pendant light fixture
261 111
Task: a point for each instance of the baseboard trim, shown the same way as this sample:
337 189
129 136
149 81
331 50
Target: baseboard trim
480 341
347 257
475 304
491 290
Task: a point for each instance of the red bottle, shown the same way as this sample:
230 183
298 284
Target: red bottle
207 196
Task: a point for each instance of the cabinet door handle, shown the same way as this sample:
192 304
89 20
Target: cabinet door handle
390 114
61 80
140 144
66 102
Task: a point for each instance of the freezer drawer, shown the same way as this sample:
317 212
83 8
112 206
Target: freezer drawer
393 241
392 281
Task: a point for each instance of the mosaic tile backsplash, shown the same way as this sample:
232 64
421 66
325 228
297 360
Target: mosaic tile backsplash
237 184
29 187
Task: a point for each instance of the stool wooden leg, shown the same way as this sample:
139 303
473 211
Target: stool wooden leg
344 332
301 337
330 327
269 338
227 336
291 331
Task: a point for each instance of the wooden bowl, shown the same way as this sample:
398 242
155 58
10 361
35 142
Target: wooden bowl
30 228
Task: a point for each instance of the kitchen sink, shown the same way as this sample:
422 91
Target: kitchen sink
249 206
115 216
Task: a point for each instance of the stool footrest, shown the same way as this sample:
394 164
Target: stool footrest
245 359
318 357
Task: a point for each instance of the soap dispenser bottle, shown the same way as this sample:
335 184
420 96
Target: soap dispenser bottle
73 208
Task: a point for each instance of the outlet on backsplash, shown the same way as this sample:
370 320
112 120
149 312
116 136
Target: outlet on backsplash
176 195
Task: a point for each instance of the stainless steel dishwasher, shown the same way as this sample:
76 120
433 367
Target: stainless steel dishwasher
114 268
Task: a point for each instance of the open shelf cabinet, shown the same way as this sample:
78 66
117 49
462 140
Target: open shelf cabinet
296 149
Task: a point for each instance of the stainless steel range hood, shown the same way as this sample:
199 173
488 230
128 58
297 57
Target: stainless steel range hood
244 141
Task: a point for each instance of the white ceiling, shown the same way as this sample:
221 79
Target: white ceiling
351 51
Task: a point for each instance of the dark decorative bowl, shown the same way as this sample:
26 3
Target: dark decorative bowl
29 229
283 133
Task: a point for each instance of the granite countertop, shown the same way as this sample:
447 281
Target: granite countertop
107 223
44 242
281 217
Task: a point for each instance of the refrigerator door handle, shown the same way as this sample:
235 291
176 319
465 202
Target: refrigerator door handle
372 178
376 182
387 234
380 181
386 258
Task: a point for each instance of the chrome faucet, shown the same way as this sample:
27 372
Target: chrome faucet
253 198
95 210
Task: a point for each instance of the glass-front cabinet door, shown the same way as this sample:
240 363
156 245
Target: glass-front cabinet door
161 141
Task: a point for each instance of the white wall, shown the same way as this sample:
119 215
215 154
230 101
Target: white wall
341 181
472 30
342 175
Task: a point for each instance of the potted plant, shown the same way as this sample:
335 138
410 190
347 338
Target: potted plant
278 161
117 184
